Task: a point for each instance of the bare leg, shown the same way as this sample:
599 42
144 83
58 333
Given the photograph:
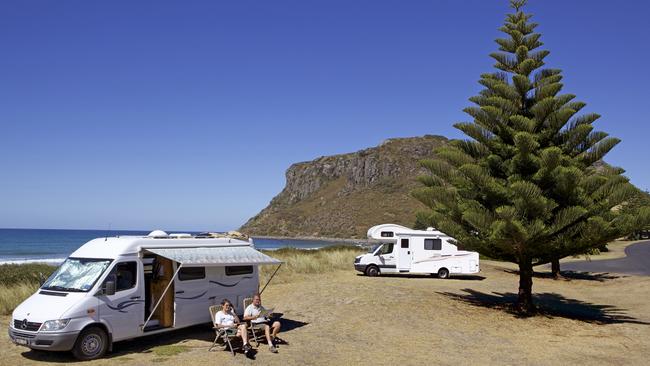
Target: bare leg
267 332
243 330
276 329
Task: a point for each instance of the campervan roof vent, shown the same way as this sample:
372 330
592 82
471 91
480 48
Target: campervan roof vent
431 229
180 235
158 234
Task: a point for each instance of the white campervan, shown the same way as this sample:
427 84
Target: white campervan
117 288
403 250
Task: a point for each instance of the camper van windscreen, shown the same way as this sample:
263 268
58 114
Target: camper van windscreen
76 275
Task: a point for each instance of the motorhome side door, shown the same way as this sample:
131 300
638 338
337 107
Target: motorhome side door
404 255
124 310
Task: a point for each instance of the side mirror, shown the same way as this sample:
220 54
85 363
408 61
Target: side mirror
41 279
109 288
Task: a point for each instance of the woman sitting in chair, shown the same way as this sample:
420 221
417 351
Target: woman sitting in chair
226 318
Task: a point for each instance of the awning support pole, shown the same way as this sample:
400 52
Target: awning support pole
267 282
162 296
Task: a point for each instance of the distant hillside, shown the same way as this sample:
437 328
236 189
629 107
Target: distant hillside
343 195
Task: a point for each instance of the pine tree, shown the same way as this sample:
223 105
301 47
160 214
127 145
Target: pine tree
528 186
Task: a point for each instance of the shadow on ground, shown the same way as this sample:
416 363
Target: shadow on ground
146 344
551 305
573 275
429 277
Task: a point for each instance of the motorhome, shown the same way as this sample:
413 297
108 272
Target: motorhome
118 288
407 251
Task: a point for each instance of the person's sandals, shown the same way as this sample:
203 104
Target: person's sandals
247 348
273 349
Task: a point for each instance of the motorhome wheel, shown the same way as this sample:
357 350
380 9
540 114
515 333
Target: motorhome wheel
443 273
92 343
372 271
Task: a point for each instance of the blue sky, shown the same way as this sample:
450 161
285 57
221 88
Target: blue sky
185 115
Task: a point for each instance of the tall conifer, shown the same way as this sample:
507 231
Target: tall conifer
528 186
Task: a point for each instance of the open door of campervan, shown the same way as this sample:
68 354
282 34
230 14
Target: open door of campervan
404 255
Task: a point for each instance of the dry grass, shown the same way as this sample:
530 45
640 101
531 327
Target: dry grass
12 296
301 264
341 318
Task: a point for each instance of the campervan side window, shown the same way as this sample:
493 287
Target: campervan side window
191 273
432 244
238 270
405 243
386 248
125 275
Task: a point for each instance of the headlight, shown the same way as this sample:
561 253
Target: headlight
52 325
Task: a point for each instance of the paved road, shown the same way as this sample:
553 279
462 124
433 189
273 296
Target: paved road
636 262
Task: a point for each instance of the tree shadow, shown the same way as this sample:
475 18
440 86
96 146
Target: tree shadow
425 276
145 344
573 275
550 305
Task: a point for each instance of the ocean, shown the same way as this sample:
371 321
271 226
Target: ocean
53 245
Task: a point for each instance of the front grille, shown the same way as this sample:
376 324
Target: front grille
29 326
22 335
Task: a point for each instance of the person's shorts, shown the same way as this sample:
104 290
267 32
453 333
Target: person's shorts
231 331
268 322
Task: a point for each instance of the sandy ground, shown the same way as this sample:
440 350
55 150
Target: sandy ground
344 318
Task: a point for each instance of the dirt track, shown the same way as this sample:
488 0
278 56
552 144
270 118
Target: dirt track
344 318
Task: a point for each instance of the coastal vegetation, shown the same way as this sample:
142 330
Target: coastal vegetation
19 281
529 185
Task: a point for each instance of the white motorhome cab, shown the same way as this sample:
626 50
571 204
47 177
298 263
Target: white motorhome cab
403 250
118 288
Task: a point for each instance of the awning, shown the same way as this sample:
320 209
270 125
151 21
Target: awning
215 256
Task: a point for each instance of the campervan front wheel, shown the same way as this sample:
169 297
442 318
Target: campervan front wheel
443 273
372 271
92 343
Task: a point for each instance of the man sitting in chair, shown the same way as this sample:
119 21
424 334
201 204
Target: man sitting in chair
257 314
226 318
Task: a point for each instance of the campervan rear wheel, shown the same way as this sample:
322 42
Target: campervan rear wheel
443 273
92 343
372 271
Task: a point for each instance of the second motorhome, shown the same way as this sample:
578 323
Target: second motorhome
403 250
117 288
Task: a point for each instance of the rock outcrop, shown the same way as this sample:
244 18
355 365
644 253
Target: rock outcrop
343 195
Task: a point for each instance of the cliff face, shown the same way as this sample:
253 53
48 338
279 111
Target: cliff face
343 195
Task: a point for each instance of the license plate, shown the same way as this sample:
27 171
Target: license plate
21 341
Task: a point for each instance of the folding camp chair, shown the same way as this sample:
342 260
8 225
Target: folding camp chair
220 332
253 327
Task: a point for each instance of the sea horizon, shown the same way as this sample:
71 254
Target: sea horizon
52 246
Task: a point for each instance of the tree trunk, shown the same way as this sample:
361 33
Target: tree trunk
525 298
555 268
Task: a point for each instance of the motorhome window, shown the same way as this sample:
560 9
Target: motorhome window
405 243
374 248
125 275
191 273
76 274
387 234
432 244
238 270
386 248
